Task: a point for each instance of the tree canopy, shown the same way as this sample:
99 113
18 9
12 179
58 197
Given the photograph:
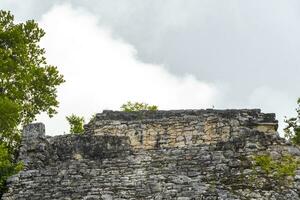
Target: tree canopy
28 86
292 130
9 120
25 77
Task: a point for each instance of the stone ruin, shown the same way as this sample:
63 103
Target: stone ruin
181 155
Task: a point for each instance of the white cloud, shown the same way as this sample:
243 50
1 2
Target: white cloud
102 72
270 100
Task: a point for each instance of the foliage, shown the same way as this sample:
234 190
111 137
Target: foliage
27 86
9 119
76 124
136 106
9 114
280 168
265 162
93 117
7 167
25 77
292 130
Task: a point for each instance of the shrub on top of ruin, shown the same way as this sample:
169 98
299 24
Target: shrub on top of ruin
93 117
76 124
137 106
292 130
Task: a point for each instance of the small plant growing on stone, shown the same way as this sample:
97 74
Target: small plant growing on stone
76 124
93 117
265 162
278 169
136 106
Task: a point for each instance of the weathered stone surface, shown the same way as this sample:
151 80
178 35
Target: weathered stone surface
34 130
161 129
186 154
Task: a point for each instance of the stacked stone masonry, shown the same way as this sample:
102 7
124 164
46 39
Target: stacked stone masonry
181 155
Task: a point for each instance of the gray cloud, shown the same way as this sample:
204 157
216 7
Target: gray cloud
241 46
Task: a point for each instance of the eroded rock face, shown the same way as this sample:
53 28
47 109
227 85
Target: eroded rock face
148 130
194 154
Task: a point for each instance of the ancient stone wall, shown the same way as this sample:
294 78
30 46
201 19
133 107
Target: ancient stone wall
180 128
186 154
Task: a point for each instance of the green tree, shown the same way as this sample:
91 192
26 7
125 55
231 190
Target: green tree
76 124
7 167
136 106
9 120
292 130
25 77
9 140
27 86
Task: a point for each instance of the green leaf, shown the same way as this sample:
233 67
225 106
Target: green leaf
76 124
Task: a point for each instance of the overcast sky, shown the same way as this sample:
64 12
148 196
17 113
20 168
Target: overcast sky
176 54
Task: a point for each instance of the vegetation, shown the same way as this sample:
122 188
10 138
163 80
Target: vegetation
7 167
9 120
25 77
76 124
136 106
292 130
279 168
27 86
